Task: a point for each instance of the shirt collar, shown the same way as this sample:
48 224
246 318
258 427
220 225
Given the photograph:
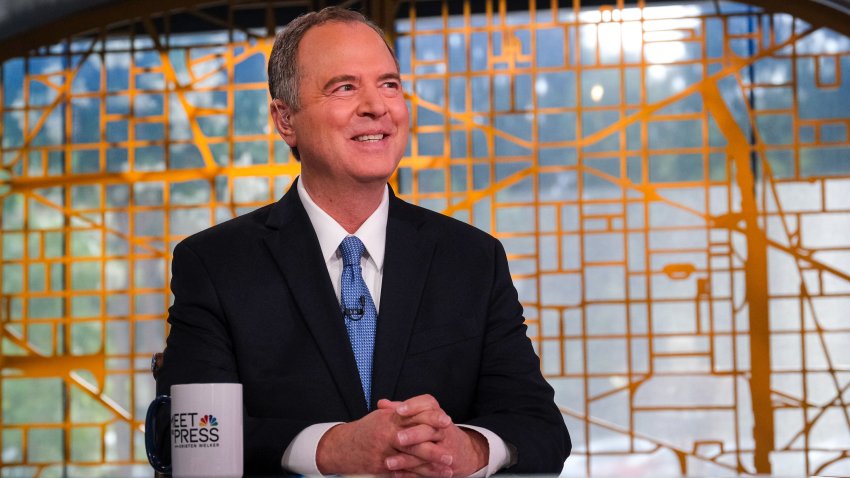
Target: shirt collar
373 232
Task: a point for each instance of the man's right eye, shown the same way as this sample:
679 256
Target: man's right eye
345 87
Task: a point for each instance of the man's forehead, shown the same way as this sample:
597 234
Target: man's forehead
332 30
337 36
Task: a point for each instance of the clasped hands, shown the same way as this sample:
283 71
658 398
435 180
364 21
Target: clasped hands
410 438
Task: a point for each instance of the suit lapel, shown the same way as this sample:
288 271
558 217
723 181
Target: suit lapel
296 250
406 262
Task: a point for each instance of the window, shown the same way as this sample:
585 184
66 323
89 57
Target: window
670 183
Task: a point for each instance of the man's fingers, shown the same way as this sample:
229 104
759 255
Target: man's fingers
402 461
418 434
417 404
419 410
424 471
431 452
408 466
384 404
433 418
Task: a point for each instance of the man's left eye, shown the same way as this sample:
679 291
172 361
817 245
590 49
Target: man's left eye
391 84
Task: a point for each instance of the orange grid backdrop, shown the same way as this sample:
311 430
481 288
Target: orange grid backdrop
670 183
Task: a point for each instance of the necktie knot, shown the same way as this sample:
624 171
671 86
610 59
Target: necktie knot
352 249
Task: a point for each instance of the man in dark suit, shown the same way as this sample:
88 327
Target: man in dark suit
359 355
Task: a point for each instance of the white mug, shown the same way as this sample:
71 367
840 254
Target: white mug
205 430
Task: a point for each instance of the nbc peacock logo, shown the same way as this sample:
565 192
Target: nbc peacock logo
190 431
208 421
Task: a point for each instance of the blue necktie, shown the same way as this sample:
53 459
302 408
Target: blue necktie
358 310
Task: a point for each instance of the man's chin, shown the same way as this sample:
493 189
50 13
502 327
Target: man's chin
374 179
371 169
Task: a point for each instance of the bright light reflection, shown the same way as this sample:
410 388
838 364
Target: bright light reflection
672 24
657 71
656 40
110 438
542 86
629 14
590 16
597 92
669 35
672 11
664 52
609 42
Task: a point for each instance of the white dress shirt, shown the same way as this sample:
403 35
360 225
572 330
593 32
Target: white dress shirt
300 456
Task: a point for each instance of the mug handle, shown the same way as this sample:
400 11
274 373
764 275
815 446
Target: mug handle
150 434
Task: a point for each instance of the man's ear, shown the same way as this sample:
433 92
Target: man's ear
282 117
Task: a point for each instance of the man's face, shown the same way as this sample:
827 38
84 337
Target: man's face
353 123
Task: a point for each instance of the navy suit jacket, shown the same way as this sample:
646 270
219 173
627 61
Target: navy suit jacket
253 304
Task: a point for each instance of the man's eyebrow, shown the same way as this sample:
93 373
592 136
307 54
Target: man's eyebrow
390 76
338 79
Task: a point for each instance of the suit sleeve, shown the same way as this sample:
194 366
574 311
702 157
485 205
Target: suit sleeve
513 399
200 350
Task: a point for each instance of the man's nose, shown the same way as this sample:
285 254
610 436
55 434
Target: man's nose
372 103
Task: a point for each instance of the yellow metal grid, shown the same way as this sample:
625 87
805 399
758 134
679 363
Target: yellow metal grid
115 148
668 234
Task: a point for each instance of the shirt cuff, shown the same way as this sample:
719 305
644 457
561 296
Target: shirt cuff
499 453
300 455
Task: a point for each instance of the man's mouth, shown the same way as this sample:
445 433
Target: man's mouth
369 137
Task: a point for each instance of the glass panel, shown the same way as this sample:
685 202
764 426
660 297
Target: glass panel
671 183
679 177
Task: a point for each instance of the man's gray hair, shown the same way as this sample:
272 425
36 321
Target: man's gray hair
283 60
